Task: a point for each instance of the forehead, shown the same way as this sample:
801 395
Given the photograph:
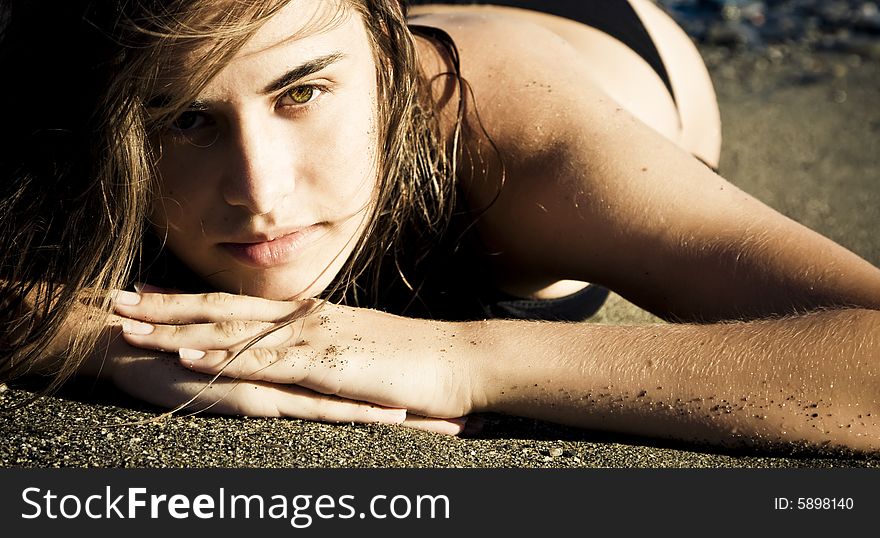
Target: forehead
298 32
301 22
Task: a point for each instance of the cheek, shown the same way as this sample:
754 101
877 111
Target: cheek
184 172
347 162
185 179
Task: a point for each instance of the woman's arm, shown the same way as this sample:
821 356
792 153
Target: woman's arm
593 194
632 211
812 379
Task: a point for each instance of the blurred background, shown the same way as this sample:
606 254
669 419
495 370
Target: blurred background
838 25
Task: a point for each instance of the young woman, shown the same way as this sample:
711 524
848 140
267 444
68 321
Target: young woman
329 207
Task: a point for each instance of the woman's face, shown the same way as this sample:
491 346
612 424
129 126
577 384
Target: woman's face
268 179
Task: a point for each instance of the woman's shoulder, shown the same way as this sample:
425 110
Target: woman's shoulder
531 92
496 41
520 75
490 24
525 67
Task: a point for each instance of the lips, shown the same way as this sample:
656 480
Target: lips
282 248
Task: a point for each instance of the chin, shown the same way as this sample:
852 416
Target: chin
276 288
297 281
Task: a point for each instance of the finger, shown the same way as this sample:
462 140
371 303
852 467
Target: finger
298 402
324 371
267 364
335 370
231 397
443 426
177 308
231 335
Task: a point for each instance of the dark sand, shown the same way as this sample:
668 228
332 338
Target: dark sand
801 133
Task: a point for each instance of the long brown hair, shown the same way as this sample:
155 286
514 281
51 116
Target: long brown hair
77 184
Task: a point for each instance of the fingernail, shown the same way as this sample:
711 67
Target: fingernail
136 327
457 426
190 354
126 298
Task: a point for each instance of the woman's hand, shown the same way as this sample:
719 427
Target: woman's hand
158 378
338 355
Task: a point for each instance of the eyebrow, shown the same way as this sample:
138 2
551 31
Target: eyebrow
162 101
302 71
297 73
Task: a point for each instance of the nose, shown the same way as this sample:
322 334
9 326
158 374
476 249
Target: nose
262 171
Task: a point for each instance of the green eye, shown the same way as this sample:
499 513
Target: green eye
302 94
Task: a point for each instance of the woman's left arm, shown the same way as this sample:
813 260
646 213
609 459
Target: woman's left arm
811 379
593 194
630 210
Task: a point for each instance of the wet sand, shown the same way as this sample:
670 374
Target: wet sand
801 133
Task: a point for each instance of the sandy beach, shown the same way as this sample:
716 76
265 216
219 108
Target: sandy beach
801 133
